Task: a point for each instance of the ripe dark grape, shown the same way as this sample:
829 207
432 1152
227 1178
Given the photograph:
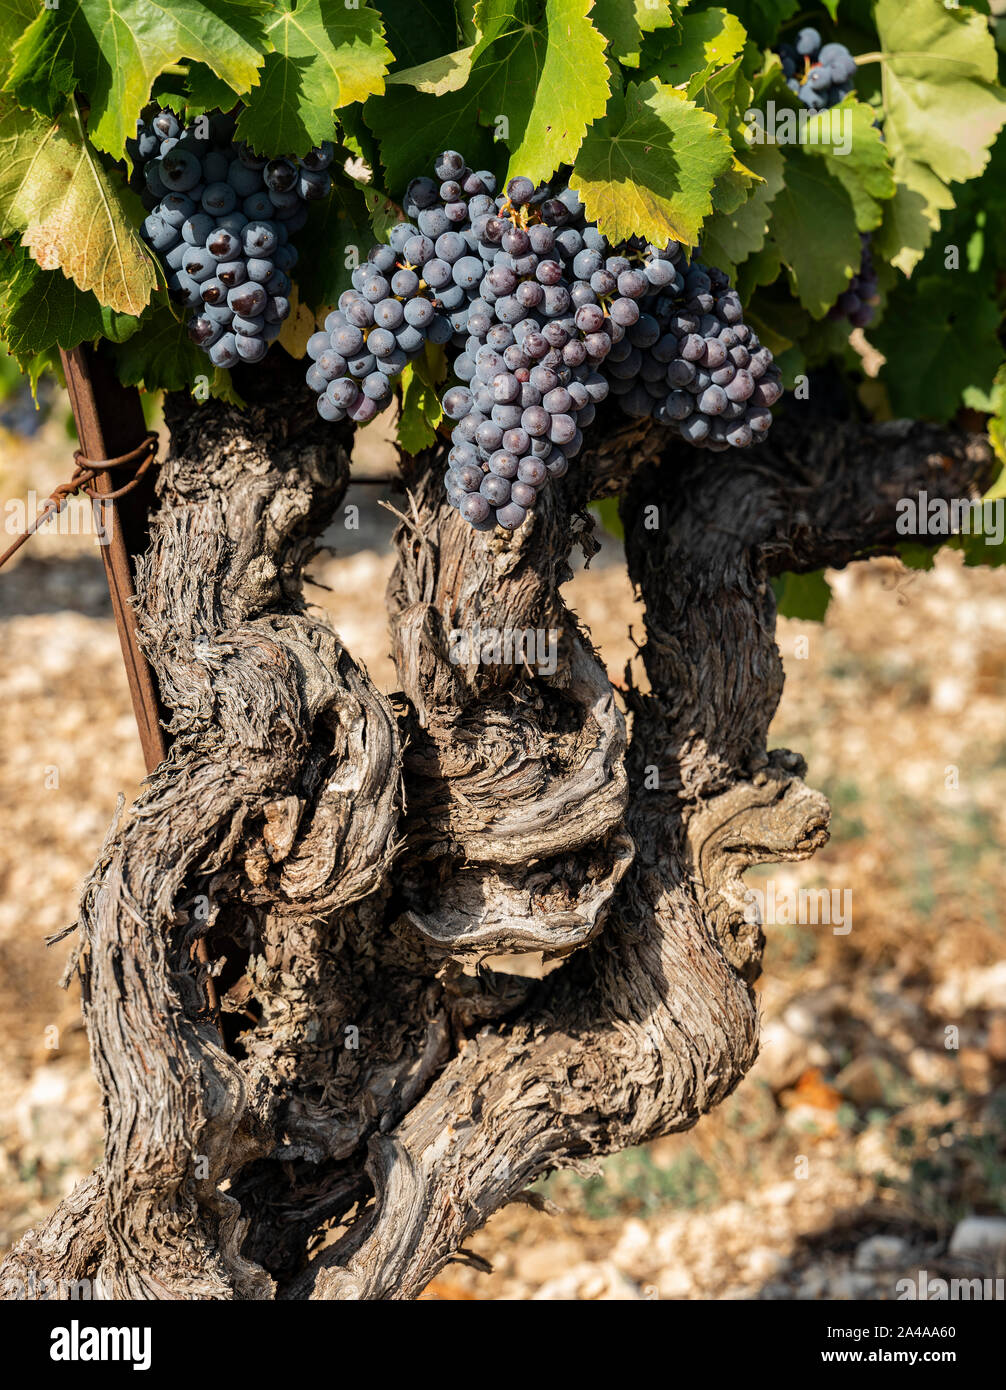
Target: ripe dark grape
520 191
495 489
474 508
203 331
224 352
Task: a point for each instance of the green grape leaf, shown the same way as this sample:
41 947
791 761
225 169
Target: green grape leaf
982 547
10 374
724 93
907 228
792 363
42 310
997 428
802 596
762 18
762 267
162 357
729 239
572 90
974 527
114 49
915 556
829 338
70 214
940 336
417 30
648 167
336 237
42 362
702 43
777 318
205 91
171 90
731 190
383 212
15 18
853 149
608 514
421 410
357 136
537 71
942 106
411 125
814 227
469 30
326 57
625 22
978 223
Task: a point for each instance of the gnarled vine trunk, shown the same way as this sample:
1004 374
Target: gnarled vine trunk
273 944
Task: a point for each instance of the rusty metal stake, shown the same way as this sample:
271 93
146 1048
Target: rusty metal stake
109 420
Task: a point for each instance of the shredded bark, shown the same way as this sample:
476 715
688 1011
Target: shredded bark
337 857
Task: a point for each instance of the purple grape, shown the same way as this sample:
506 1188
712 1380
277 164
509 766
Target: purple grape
511 516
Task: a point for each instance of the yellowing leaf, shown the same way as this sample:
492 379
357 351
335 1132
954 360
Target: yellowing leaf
444 74
115 49
298 327
648 167
702 42
56 194
41 311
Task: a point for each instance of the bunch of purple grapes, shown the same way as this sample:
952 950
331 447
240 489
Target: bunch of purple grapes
663 361
821 75
546 318
411 290
547 307
856 302
666 338
220 217
693 364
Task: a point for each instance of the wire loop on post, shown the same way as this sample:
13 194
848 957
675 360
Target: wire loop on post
85 471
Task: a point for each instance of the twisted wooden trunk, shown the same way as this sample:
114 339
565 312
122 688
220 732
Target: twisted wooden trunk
343 857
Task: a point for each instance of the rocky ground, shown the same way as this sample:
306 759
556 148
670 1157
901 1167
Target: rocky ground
868 1142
